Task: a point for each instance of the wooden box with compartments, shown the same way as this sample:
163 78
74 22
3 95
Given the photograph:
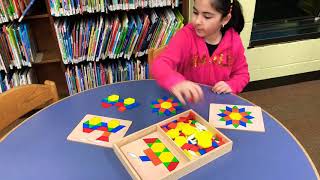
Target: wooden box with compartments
172 148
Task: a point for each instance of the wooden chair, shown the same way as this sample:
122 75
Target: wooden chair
19 101
152 54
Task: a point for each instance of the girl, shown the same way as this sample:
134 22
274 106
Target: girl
207 51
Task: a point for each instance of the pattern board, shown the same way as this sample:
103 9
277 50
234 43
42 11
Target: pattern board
99 130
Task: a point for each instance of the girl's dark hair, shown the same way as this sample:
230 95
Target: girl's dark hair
237 19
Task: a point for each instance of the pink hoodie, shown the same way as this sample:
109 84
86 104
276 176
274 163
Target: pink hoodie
187 57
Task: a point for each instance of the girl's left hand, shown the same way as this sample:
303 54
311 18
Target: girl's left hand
221 87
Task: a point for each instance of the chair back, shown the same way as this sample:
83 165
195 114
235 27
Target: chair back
20 100
152 54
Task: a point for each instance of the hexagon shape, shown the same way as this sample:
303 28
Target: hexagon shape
157 147
95 121
129 101
166 157
113 123
166 105
235 116
113 98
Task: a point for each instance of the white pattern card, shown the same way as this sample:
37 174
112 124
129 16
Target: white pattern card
238 117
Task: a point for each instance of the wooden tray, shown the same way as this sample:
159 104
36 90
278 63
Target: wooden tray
152 154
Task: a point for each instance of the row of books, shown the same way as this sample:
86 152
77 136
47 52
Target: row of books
119 36
17 78
89 75
71 7
17 49
12 9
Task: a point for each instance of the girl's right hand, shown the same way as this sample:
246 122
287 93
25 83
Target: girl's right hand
187 90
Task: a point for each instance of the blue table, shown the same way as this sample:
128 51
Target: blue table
38 149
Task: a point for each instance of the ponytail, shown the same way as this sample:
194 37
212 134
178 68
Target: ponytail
237 19
224 7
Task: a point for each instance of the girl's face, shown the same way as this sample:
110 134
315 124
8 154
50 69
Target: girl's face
206 20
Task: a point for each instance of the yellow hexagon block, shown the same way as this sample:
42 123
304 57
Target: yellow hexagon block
180 140
129 101
113 123
166 105
235 116
94 121
203 135
113 98
173 133
188 130
180 126
166 157
205 143
157 147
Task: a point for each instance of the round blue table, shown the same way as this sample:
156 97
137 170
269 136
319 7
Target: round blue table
39 149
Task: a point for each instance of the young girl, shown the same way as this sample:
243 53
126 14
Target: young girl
207 51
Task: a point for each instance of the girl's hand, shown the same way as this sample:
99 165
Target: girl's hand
221 87
187 90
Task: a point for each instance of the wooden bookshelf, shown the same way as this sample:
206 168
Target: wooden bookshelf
48 56
48 63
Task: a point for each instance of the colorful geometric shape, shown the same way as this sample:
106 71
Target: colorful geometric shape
192 137
235 116
113 123
129 101
157 147
122 104
113 98
95 123
144 158
158 153
167 106
166 157
152 156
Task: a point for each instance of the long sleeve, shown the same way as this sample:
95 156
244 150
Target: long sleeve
239 77
164 67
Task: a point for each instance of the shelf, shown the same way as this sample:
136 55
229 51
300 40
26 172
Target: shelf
39 16
46 57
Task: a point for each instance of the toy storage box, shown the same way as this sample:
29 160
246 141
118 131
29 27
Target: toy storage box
157 152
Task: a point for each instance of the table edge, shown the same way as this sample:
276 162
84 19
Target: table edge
290 133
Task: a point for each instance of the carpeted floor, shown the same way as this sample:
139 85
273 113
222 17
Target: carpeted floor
297 107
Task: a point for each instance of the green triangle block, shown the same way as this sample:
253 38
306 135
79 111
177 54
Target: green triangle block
249 121
166 164
222 119
110 129
158 141
235 125
175 159
222 110
248 113
158 153
235 107
193 122
150 144
87 122
166 150
152 106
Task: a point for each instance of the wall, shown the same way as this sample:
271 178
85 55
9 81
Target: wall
280 59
